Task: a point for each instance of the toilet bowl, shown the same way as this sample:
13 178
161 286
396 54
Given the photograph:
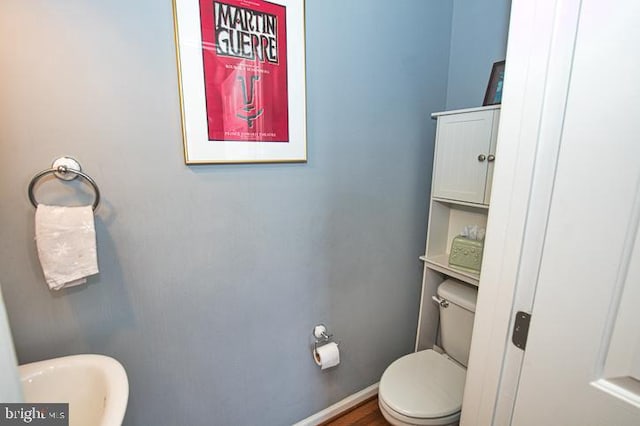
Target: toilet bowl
423 388
426 387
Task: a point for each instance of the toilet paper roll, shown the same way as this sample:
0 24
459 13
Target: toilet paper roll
327 356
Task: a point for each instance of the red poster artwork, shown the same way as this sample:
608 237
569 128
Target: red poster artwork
244 48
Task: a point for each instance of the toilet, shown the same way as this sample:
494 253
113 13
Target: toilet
426 387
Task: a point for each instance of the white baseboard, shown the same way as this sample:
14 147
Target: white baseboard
339 407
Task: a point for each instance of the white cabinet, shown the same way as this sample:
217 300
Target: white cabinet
462 174
464 154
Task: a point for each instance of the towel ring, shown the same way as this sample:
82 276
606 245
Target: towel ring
65 168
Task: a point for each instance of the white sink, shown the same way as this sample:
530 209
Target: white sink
95 386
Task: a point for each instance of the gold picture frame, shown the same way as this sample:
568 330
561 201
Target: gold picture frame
241 80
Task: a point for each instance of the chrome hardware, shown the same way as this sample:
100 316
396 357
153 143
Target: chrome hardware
482 157
65 168
491 158
442 302
321 336
320 332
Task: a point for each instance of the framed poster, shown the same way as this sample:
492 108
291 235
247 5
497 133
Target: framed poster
241 71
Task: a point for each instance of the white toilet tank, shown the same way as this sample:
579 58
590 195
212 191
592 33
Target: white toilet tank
456 320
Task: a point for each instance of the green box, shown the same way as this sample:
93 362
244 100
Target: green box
466 254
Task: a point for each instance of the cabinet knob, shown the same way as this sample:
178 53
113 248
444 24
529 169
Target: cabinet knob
491 158
482 157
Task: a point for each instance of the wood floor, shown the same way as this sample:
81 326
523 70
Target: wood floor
366 414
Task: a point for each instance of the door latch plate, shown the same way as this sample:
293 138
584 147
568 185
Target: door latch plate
521 330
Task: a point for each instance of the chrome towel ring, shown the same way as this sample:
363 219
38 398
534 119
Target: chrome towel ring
65 168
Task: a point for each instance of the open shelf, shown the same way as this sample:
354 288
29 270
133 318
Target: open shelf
447 221
461 203
440 263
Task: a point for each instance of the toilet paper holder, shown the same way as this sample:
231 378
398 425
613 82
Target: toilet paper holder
321 336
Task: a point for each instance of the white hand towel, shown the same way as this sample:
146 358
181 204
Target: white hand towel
66 241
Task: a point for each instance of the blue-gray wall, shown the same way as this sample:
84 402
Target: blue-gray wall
478 39
213 276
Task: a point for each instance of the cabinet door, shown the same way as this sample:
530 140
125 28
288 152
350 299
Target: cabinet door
462 146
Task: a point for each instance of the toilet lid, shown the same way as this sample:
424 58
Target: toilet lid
424 384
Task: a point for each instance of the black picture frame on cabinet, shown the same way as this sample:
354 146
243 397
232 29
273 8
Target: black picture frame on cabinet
493 94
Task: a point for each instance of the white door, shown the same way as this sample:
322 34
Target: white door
582 361
463 144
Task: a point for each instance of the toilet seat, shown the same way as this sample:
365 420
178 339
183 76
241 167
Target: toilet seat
397 419
422 388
